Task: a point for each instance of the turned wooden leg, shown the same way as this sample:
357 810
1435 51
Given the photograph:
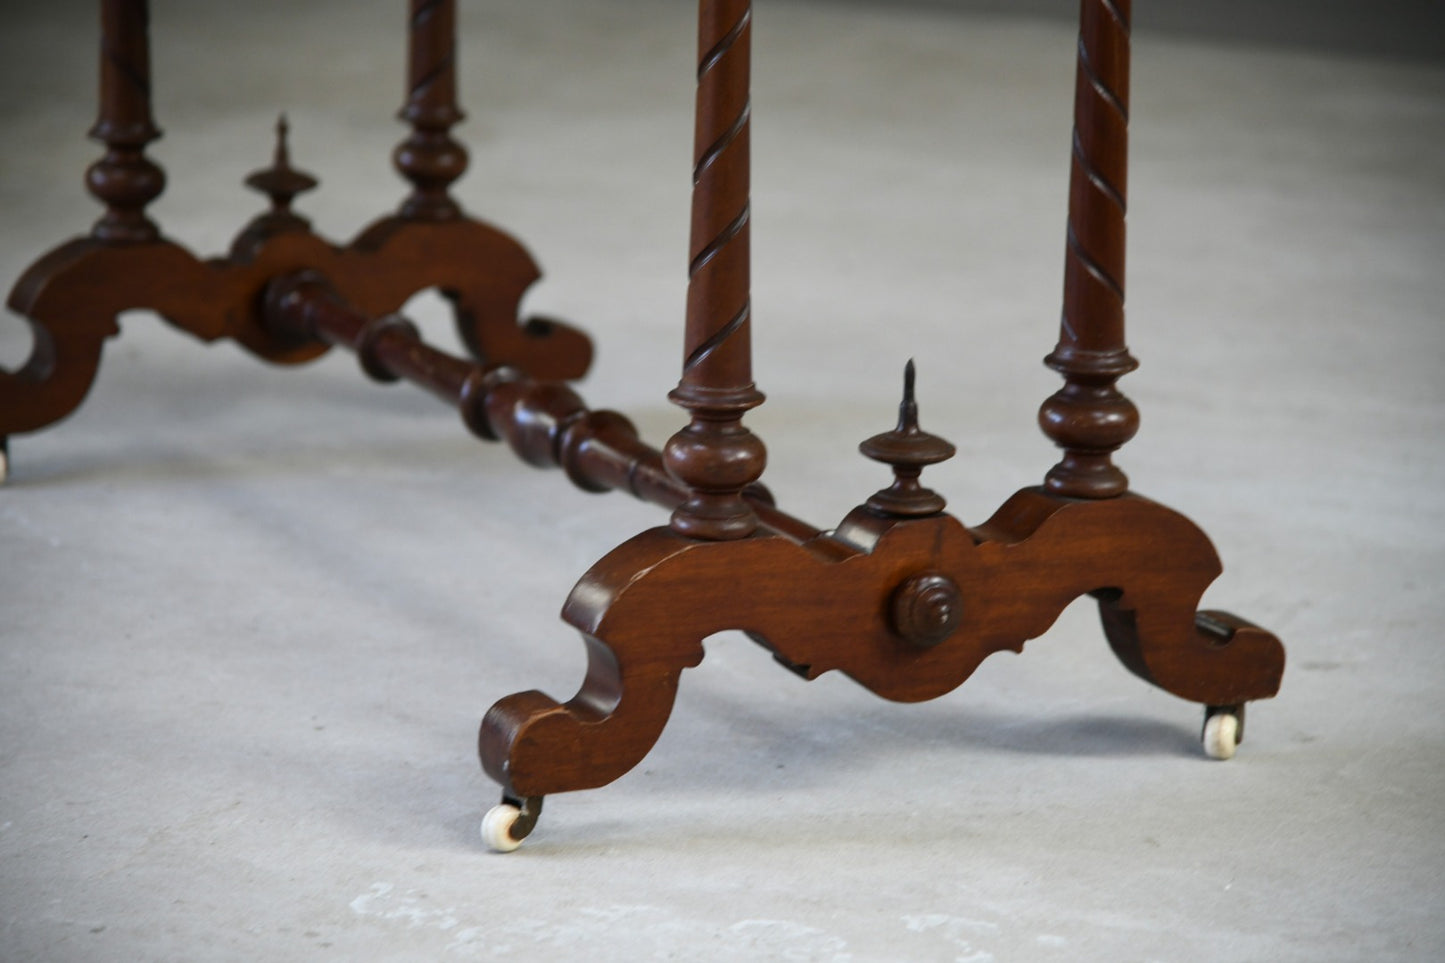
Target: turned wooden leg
1213 658
1088 417
530 743
429 157
715 455
480 270
125 180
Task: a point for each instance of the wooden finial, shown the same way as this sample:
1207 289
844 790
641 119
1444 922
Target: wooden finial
908 449
281 182
1088 417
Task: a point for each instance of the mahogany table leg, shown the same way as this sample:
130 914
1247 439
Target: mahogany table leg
432 227
125 180
1088 417
429 157
627 698
715 455
899 596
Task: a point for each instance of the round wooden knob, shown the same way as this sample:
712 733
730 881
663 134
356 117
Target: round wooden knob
927 608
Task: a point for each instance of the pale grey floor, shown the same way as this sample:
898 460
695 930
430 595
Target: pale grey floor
251 617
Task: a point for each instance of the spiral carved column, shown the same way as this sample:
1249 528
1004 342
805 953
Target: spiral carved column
429 157
124 179
1088 417
715 456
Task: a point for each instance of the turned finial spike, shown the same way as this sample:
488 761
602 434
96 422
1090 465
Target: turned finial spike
908 410
283 153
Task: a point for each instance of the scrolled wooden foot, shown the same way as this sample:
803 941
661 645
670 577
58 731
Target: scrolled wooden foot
1209 657
535 746
68 338
72 296
545 347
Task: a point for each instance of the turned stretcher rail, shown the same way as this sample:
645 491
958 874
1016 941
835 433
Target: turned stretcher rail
546 423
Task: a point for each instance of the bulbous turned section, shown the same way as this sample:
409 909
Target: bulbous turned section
1090 419
429 157
716 460
124 179
908 449
431 160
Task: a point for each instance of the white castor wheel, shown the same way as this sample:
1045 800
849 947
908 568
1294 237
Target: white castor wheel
497 827
508 823
1223 729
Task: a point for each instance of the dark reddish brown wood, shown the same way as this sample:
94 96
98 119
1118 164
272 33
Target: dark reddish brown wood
124 179
1088 417
429 157
71 296
901 597
545 423
645 609
715 456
